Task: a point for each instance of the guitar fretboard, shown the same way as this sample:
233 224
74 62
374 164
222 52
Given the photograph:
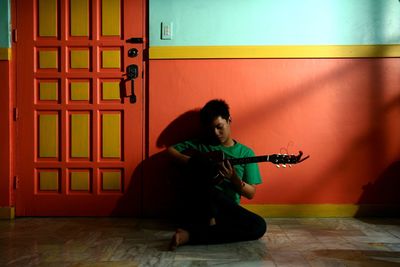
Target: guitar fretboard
249 160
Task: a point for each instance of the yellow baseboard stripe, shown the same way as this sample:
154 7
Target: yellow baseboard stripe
7 212
271 51
5 53
324 210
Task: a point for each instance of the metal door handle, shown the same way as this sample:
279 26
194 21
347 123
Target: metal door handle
132 72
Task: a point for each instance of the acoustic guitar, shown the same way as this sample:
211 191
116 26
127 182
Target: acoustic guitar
209 162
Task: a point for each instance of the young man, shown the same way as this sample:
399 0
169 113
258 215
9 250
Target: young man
211 212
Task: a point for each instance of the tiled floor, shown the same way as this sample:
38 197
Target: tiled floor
132 242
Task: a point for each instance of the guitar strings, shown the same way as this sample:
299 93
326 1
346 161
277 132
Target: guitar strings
285 150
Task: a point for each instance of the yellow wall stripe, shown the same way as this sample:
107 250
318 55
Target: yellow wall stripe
7 213
48 18
112 182
80 125
5 53
111 135
293 51
79 18
323 210
111 18
48 135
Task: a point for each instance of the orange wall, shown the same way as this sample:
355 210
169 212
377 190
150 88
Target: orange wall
345 113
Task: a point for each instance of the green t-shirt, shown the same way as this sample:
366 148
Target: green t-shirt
249 173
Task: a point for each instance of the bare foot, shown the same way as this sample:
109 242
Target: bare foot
212 221
180 238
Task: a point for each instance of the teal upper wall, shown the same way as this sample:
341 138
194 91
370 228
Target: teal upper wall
264 22
5 24
273 22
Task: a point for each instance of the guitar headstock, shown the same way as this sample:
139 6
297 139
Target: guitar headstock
284 159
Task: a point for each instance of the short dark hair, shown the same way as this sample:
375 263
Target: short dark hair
213 109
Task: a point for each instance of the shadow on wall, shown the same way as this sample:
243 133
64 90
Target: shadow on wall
154 184
382 197
186 126
161 183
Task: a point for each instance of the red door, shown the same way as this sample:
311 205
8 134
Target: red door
79 138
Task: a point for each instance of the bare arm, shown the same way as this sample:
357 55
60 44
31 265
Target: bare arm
177 156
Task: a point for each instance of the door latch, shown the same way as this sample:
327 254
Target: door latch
135 40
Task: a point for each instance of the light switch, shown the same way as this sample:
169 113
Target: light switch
166 30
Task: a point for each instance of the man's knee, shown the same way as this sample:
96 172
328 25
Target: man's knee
260 227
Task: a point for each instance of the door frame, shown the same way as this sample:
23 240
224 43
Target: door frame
7 121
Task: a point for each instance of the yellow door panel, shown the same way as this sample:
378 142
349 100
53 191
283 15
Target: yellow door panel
48 91
48 59
111 18
111 180
48 135
80 134
80 91
79 59
80 180
79 17
110 91
111 59
47 18
48 181
111 132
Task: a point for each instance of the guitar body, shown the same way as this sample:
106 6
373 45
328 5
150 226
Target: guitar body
205 166
216 156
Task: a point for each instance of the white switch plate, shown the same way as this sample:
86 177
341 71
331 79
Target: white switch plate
166 30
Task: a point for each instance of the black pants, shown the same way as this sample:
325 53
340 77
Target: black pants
233 222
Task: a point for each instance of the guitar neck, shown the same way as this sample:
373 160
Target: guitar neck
248 160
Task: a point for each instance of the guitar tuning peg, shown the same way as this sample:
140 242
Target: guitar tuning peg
284 165
277 165
290 165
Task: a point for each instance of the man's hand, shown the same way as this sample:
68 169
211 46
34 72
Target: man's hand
226 170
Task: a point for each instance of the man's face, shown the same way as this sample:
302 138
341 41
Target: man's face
220 129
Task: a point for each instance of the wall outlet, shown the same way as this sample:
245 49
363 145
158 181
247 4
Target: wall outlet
166 30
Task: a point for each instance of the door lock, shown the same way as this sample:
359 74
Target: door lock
133 52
